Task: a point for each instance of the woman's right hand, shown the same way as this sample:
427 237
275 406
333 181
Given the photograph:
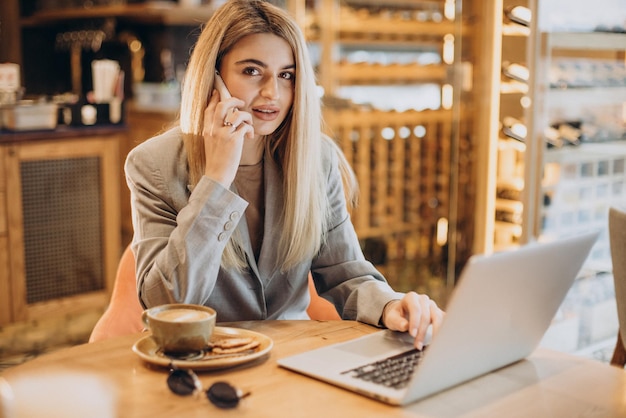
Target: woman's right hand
225 128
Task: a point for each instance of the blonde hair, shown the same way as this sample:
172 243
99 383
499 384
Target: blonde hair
295 146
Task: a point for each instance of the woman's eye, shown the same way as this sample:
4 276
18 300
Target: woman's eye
251 71
288 76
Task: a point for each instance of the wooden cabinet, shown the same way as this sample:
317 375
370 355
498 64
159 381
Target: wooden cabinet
59 224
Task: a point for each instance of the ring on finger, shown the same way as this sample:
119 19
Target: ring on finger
227 123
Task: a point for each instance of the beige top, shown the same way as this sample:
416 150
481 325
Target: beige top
249 183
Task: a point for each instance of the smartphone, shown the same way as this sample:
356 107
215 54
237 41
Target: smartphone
221 87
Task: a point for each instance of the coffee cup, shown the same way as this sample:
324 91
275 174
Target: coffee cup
180 328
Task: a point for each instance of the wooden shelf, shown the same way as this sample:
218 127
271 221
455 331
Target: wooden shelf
358 73
149 13
394 28
374 28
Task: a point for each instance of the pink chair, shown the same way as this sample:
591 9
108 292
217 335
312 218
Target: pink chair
123 315
319 308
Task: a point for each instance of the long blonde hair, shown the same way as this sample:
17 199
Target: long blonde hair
295 145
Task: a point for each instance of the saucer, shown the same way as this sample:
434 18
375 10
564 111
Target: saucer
147 349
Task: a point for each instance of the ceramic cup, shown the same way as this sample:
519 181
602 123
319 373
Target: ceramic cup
180 328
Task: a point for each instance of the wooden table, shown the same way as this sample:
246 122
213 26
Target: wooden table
548 384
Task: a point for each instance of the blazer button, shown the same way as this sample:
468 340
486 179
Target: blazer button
222 236
234 216
228 225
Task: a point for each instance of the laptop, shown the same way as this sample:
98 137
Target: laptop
501 307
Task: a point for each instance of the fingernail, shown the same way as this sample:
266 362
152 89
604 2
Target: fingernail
413 332
420 346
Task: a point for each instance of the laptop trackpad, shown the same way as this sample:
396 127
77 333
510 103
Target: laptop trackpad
382 343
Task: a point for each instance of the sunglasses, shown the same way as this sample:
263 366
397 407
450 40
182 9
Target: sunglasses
185 382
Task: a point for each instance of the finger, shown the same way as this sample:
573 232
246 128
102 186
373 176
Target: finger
247 129
411 302
418 309
393 317
236 117
227 106
424 320
436 315
209 112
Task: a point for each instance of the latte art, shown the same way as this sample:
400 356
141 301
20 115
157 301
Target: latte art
181 315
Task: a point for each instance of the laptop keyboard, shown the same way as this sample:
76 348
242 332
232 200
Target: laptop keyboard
394 371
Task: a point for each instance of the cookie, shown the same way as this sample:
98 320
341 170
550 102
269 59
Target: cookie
235 349
232 342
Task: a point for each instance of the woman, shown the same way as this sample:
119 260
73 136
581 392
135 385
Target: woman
234 207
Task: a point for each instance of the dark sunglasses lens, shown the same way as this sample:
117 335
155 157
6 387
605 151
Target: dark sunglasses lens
223 395
181 382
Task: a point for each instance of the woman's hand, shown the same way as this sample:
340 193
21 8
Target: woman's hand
413 313
225 128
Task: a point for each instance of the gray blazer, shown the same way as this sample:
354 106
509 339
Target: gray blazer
180 235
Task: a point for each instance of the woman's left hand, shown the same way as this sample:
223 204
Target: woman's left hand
413 313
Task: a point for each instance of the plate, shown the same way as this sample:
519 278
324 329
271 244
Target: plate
147 349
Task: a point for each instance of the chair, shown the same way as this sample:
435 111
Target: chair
319 308
123 315
617 238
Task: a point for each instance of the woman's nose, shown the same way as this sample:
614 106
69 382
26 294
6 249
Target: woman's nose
269 88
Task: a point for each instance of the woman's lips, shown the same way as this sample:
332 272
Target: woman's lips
266 113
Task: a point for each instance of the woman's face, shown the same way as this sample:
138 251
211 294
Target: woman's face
260 70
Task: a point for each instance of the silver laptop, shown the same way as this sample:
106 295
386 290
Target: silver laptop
497 315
